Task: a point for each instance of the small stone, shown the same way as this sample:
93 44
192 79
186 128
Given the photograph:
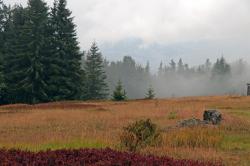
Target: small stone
191 123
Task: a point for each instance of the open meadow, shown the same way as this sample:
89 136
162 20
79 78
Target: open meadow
67 125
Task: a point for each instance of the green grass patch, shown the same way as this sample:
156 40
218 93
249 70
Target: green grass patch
242 113
56 145
237 142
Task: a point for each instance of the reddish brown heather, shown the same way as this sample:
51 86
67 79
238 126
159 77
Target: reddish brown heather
90 157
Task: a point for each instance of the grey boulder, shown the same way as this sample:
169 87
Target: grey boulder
212 116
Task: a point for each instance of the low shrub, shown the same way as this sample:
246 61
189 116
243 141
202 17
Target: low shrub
139 135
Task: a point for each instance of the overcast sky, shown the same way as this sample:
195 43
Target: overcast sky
191 29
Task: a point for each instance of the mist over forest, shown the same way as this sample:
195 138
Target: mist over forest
175 79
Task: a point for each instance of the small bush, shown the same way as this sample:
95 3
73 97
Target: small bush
139 135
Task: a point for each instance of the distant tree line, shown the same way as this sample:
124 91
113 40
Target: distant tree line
176 78
41 61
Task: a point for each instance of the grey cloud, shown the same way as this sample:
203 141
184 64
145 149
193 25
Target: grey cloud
165 23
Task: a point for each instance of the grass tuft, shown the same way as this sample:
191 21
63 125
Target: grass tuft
197 137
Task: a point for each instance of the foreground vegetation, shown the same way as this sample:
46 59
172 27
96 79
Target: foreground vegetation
79 125
105 157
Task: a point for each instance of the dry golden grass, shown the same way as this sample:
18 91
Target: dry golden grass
99 124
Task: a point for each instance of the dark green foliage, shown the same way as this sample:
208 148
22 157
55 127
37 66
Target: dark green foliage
3 12
16 55
64 73
150 93
139 135
35 26
2 82
43 53
2 87
119 93
95 84
26 49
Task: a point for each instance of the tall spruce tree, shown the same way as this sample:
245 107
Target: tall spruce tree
26 47
95 86
37 25
65 76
